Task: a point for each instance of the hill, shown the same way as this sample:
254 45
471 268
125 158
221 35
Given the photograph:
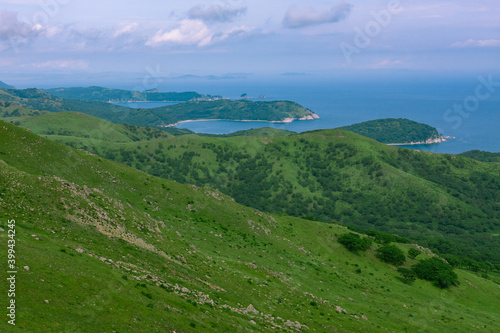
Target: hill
483 156
100 246
100 94
162 117
4 85
446 202
396 131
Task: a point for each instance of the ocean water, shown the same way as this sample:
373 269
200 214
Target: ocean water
345 102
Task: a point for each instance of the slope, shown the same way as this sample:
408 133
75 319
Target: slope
447 202
102 247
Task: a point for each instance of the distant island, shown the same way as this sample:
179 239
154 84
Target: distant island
100 94
397 131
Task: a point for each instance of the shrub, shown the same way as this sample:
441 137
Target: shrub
354 243
413 253
437 271
408 275
391 254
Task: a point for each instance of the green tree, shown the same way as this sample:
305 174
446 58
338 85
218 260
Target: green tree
391 254
436 270
413 253
354 243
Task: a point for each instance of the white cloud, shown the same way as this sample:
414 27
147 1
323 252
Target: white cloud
298 18
126 29
190 32
477 43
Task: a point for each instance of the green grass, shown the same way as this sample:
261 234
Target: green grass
447 202
112 249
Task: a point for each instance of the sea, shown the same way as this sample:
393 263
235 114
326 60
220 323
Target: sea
460 105
455 106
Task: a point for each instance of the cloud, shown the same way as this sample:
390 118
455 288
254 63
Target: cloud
16 31
298 18
190 32
126 29
215 13
62 64
477 43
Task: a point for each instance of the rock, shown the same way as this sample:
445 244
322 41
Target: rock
251 309
253 322
47 301
364 317
79 250
27 268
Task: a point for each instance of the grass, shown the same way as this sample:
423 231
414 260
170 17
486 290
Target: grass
120 250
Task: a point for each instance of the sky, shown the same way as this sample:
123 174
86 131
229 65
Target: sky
253 37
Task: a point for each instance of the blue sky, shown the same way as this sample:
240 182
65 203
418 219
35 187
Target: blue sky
175 38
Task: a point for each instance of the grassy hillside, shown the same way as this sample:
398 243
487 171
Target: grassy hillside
103 247
447 202
395 131
101 94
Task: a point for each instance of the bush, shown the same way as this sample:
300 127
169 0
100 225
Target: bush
391 254
408 275
354 243
413 253
437 271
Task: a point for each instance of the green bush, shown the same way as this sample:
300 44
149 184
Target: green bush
413 253
437 271
391 254
354 243
408 275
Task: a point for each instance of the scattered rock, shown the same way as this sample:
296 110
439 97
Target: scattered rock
253 322
364 317
251 309
79 250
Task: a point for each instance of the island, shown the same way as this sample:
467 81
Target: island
165 116
397 132
100 94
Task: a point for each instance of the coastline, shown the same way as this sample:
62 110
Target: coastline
311 116
427 142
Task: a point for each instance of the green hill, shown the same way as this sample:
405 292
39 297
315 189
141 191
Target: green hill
103 247
100 94
446 202
483 156
396 131
4 85
277 111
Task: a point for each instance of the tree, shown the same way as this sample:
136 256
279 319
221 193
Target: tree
436 270
413 253
354 243
408 275
391 254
